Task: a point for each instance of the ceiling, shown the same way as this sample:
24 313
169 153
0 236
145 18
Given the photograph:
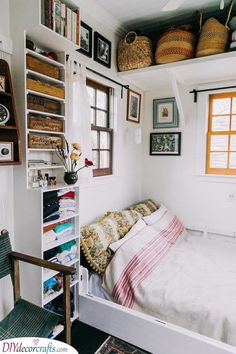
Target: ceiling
143 14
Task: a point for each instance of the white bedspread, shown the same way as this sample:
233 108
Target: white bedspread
185 280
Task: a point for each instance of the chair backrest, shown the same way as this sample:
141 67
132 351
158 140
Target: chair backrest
5 250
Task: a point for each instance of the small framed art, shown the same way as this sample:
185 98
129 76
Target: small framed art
165 144
2 83
133 106
86 33
165 113
6 151
102 50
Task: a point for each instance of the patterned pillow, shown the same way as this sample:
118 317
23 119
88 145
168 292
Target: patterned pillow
145 208
96 238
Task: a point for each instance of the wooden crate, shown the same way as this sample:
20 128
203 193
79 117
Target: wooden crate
42 87
47 123
43 104
42 67
41 141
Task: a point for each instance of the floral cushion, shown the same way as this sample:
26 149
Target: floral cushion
96 238
145 208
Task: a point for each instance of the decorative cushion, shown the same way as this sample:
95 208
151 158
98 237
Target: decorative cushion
96 238
145 208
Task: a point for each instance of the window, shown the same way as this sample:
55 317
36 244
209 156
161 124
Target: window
221 136
102 134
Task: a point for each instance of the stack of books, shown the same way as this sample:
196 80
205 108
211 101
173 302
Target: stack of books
61 19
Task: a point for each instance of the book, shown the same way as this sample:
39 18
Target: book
46 13
68 18
73 26
50 14
63 19
57 16
78 27
43 12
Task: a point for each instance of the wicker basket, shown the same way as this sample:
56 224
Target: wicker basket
134 52
175 45
213 38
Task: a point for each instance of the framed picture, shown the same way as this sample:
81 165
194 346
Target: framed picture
86 33
165 144
2 83
133 106
165 113
6 151
102 50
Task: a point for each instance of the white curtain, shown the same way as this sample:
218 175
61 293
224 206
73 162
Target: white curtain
78 122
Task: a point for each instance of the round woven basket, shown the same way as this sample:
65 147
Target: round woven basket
175 45
213 38
134 52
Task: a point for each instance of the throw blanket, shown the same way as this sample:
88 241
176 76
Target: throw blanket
185 280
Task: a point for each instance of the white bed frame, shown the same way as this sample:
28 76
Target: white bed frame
144 331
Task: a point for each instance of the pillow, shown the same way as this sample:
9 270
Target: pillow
96 238
140 224
156 216
124 219
145 208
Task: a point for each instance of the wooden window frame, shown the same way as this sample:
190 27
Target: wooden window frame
98 172
229 133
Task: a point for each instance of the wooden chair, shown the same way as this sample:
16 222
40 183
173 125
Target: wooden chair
27 319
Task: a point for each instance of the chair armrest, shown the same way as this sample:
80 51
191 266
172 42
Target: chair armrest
43 263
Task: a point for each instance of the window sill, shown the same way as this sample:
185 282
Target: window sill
216 178
99 181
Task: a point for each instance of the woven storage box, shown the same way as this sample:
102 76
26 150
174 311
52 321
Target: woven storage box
43 104
213 38
42 87
175 45
40 141
134 52
46 123
42 67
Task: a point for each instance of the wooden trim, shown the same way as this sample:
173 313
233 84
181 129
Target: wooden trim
42 263
16 279
97 85
66 303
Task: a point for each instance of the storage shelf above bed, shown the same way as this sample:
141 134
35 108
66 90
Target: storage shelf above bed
219 67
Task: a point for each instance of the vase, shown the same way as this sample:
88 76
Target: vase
70 177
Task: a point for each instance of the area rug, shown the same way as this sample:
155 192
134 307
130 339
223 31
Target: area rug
115 346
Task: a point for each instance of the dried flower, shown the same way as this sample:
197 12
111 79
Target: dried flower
76 146
74 156
88 162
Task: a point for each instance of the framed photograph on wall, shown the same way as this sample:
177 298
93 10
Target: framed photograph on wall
6 151
165 113
133 106
86 34
165 144
102 50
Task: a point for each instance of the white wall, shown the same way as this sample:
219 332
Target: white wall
179 181
6 182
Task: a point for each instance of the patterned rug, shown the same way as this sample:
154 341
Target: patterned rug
116 346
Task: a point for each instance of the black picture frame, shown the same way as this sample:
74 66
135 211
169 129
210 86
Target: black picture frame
102 50
86 34
165 144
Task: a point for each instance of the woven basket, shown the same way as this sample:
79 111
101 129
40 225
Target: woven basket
175 45
134 52
213 38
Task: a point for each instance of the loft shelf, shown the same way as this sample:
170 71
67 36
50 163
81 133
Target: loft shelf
45 132
36 93
219 67
5 94
46 167
46 114
51 297
8 127
49 274
69 216
50 245
45 78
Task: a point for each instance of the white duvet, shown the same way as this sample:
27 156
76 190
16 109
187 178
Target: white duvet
185 280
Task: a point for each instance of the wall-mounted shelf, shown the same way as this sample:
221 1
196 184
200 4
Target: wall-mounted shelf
219 67
9 132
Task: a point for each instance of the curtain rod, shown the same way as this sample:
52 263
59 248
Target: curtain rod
104 77
195 92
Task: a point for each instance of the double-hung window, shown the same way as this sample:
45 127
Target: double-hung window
102 133
221 136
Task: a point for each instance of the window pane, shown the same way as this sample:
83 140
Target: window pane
93 116
91 93
219 143
101 119
232 160
104 140
221 106
101 100
95 159
233 143
233 123
104 159
218 160
220 123
234 105
95 139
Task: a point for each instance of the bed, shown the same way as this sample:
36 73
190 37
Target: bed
176 278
